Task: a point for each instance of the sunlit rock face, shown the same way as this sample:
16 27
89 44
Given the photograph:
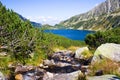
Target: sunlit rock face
108 50
105 8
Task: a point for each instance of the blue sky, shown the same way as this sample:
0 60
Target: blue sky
50 11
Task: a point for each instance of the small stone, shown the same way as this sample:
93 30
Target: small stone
41 65
2 76
3 47
3 53
19 77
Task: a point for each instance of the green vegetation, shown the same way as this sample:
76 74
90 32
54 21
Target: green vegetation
47 26
87 54
62 41
24 43
98 38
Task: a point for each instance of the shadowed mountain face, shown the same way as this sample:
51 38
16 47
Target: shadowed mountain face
35 24
99 18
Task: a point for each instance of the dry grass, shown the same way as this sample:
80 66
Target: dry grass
58 48
73 48
81 77
108 67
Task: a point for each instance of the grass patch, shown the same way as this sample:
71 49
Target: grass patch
58 48
87 54
73 48
4 62
108 67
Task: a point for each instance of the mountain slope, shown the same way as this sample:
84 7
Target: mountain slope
103 16
35 24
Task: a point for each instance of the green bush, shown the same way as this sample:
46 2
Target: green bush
98 38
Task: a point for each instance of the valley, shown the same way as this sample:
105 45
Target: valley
83 47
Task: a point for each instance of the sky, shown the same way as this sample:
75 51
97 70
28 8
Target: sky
50 11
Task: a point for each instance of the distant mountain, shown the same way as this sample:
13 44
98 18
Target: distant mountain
35 24
104 16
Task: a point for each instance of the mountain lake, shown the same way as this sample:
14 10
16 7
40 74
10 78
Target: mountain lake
71 34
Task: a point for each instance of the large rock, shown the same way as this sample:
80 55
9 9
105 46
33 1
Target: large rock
68 76
48 76
104 77
65 76
2 77
79 52
108 50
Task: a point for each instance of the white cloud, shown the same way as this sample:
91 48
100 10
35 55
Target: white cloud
96 4
45 20
49 17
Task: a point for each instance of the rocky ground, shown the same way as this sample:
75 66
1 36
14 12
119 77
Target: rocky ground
61 65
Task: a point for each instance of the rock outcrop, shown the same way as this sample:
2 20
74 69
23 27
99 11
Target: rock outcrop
61 65
108 50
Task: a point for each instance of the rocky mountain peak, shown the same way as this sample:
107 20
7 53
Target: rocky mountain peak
85 20
104 8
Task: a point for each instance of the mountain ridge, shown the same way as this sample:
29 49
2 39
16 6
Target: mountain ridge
103 10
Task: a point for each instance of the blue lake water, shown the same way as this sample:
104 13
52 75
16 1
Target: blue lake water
71 34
